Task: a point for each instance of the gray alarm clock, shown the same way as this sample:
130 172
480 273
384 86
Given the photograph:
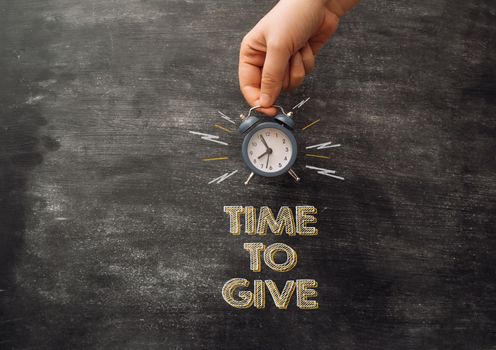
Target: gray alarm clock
269 146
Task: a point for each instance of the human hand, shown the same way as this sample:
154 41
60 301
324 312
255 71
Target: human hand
280 50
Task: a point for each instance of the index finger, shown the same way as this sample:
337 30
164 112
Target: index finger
250 76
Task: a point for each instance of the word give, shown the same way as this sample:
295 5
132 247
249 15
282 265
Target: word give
304 290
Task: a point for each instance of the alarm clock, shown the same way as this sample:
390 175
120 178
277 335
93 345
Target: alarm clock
269 145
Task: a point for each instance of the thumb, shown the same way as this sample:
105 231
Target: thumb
274 69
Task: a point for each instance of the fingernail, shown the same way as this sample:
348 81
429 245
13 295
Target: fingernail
265 100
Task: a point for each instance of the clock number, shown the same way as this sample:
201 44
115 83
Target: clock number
254 160
287 149
280 165
254 144
286 158
261 166
267 133
270 168
251 153
283 141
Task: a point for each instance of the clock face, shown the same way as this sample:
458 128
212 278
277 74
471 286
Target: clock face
269 149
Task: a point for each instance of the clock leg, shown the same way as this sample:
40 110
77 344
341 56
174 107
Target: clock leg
249 178
293 175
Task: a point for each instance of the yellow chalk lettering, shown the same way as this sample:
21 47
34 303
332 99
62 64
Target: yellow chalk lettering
255 250
250 220
259 294
234 213
273 249
246 297
304 290
281 300
305 215
284 221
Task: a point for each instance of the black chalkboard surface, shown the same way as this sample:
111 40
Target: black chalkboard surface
112 238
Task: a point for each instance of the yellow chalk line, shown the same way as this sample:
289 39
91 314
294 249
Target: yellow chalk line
310 125
222 128
316 156
216 158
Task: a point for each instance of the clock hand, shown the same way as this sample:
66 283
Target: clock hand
269 151
263 154
263 141
268 155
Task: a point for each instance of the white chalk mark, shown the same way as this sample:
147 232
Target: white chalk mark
47 83
61 219
325 172
111 40
221 178
324 145
34 99
209 137
301 103
223 116
93 11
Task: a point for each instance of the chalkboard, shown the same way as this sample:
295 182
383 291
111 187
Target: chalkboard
112 237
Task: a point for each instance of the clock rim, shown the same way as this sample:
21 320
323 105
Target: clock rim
264 125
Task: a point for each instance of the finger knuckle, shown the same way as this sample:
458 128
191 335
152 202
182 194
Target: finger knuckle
247 39
270 78
309 66
300 76
277 46
297 80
